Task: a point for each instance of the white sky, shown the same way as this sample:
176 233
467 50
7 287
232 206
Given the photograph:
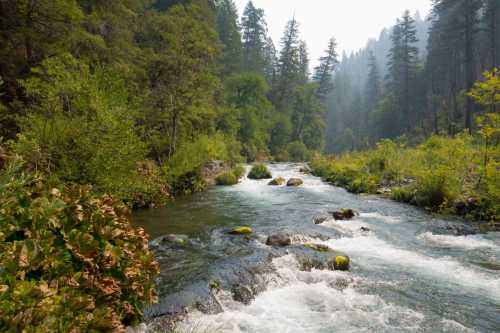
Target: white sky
351 22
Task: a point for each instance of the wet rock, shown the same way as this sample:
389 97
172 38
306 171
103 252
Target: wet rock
171 241
294 182
241 231
365 229
305 170
320 219
339 263
278 240
451 228
277 181
142 328
242 294
317 247
344 214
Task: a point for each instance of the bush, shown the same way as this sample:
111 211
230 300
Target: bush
226 179
403 194
239 171
260 171
298 152
70 261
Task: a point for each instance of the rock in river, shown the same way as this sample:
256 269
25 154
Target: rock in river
278 240
277 181
320 219
242 294
344 214
294 182
241 231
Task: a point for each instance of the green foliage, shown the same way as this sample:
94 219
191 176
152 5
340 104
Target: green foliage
435 175
260 171
239 171
70 261
298 152
226 179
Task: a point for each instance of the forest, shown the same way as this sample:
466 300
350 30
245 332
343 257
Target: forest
112 106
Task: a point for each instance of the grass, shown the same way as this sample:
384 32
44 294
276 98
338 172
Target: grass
439 174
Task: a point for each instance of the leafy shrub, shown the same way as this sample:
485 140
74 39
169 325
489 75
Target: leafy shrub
70 261
298 152
226 179
403 194
260 171
239 171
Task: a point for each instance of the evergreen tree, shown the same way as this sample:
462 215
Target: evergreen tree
303 63
270 61
254 38
230 37
288 66
323 72
373 88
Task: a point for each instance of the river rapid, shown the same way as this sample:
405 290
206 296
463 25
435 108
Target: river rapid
404 277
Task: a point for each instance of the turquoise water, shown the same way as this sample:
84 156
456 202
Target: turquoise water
404 278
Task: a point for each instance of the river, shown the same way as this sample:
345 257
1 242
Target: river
403 277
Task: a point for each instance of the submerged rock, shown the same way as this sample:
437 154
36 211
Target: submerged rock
317 247
278 240
171 241
364 229
242 294
344 214
294 182
277 181
451 228
320 219
241 231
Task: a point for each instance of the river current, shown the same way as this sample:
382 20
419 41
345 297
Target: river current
403 278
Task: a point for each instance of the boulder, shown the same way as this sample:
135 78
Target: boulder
344 214
294 182
241 231
339 263
320 219
242 294
278 240
277 181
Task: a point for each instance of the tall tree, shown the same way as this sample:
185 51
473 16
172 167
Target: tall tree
254 38
288 66
230 36
323 72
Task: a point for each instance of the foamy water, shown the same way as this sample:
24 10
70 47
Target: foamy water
402 279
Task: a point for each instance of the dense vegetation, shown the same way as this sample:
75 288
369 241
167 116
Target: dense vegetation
451 174
70 261
135 96
414 80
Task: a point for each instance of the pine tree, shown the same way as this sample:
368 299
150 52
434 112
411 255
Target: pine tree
303 63
230 37
254 38
491 18
288 66
270 61
373 89
323 72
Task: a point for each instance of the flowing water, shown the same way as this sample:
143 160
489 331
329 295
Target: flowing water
403 278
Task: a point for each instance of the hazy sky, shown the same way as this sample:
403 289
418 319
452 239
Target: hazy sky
351 22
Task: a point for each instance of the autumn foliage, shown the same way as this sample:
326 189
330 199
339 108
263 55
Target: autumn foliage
69 261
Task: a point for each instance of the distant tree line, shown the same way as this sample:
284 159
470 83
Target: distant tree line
413 92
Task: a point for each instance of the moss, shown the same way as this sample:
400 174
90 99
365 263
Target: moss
241 231
317 247
226 179
342 263
260 171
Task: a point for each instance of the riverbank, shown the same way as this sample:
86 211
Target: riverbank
446 175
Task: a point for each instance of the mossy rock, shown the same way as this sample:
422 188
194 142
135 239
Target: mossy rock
260 171
340 263
226 179
317 247
277 181
241 231
294 182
